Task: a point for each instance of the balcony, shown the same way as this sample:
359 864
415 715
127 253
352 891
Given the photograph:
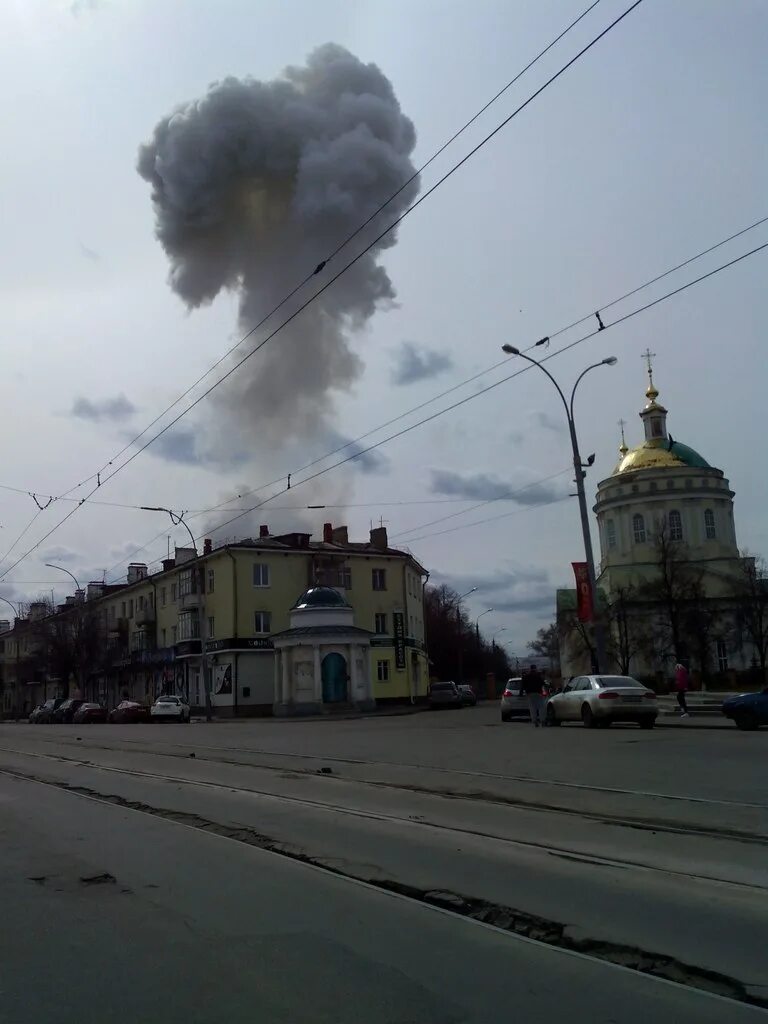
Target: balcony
117 627
189 601
145 616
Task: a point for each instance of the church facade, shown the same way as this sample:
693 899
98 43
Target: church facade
670 564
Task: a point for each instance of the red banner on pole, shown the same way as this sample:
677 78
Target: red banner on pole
583 592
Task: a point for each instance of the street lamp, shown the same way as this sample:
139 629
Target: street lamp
15 609
460 659
477 624
579 468
178 520
62 569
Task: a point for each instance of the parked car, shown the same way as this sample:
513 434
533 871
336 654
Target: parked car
129 711
170 709
444 695
44 714
748 710
34 714
88 712
513 701
600 700
467 694
65 711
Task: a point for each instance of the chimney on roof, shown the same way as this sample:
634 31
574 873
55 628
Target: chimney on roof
185 555
341 536
379 538
96 589
69 601
263 530
79 596
207 546
168 563
137 571
327 533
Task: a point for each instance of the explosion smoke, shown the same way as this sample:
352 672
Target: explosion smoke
252 186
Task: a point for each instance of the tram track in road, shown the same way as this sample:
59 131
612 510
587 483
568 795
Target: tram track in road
531 927
643 822
547 848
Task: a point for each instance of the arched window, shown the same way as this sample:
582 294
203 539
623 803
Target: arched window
610 532
675 525
709 524
638 528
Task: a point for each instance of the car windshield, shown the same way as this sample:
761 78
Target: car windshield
436 687
619 681
167 700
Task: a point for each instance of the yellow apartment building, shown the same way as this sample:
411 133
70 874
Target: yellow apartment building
219 610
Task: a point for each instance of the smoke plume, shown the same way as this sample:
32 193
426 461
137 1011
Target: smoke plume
253 185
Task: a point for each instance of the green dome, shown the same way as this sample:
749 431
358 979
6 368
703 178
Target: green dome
688 455
322 597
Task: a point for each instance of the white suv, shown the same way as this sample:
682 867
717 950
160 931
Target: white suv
170 709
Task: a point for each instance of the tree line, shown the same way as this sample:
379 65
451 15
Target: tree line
457 650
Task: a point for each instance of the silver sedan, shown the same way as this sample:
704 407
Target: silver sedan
600 700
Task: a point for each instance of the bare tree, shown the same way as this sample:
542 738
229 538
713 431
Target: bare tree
750 589
68 644
624 636
547 645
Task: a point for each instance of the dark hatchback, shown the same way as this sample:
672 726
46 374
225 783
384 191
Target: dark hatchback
44 714
748 710
66 710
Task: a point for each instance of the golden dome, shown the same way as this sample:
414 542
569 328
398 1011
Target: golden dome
659 454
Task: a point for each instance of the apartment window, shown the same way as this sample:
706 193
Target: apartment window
112 613
189 625
722 655
670 485
688 484
261 576
675 525
709 524
122 609
380 622
653 486
163 595
211 580
379 579
638 528
164 637
382 671
141 603
151 600
610 532
345 578
262 622
187 583
211 626
173 591
174 634
130 608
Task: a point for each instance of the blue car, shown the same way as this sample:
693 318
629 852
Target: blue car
748 710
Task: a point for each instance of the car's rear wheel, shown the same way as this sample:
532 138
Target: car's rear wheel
551 717
646 723
587 717
746 720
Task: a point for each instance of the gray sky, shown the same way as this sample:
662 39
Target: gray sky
650 149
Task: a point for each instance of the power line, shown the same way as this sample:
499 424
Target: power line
345 242
490 519
553 78
490 387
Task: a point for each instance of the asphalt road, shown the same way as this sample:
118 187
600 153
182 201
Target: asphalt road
259 873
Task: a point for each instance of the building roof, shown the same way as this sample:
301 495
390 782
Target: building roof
659 454
310 631
321 597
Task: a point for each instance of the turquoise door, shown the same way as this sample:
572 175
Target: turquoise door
334 675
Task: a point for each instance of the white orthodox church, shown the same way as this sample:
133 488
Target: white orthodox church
663 512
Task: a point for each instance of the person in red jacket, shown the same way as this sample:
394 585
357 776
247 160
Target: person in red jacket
681 686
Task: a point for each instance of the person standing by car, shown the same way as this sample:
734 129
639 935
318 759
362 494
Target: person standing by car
533 684
681 686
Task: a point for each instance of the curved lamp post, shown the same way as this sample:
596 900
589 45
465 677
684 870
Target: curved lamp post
477 624
61 568
579 468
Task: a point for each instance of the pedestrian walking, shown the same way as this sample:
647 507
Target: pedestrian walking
681 686
533 684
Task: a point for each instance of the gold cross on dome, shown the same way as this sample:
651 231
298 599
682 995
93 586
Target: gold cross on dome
622 424
648 356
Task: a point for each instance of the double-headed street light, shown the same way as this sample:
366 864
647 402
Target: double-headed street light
477 624
579 468
460 658
178 520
